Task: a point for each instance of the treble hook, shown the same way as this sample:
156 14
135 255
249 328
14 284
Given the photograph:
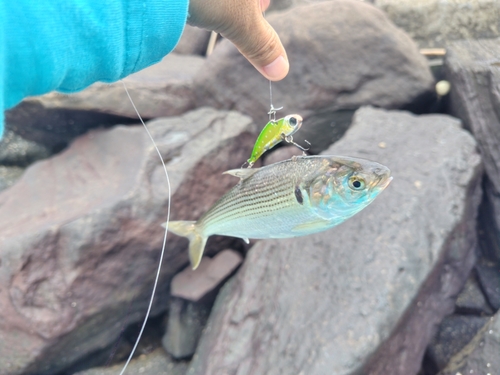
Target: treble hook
289 139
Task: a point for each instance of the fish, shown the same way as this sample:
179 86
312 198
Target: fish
273 133
291 198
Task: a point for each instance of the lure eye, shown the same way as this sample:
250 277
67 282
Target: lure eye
293 121
356 183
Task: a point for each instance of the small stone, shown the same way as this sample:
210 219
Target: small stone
185 324
192 284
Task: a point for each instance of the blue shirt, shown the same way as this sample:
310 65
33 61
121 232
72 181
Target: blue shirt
66 45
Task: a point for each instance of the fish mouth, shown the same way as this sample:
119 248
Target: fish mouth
384 182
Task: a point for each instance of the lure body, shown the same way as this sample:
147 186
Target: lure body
273 133
296 197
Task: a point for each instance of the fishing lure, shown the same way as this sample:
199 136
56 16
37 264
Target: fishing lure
295 197
273 133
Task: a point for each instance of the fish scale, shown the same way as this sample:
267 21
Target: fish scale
295 197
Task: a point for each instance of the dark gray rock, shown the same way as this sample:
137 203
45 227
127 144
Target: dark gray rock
480 356
489 277
343 54
473 68
155 363
54 119
186 321
367 296
195 291
471 299
194 41
435 23
19 152
80 233
454 332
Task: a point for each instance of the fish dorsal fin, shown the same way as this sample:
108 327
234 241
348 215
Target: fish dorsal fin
242 173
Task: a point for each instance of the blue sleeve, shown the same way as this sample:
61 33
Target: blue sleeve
66 45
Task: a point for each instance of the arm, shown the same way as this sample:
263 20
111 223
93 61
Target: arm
66 45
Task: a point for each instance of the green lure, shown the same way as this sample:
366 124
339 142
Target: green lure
273 133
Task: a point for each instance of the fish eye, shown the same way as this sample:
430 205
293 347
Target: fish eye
293 121
356 183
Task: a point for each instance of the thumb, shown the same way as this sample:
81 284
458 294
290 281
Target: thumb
260 44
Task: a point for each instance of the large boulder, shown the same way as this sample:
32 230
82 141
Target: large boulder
364 297
435 23
80 233
54 119
473 68
343 54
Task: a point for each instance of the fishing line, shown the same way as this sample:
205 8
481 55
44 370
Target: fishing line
164 238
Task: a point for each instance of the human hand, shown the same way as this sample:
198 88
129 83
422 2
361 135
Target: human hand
242 22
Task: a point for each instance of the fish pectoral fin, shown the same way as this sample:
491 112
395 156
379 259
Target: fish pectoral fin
197 241
242 173
311 226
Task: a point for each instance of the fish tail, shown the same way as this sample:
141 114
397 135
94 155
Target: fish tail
197 241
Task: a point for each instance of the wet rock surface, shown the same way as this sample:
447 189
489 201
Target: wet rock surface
399 276
78 254
326 89
480 356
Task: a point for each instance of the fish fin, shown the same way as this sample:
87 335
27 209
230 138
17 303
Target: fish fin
247 241
197 241
196 247
311 226
242 173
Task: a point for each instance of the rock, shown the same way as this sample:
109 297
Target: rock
155 363
328 80
473 68
17 151
480 356
193 285
471 299
186 321
80 233
54 119
435 23
193 41
196 291
489 277
454 332
9 176
365 297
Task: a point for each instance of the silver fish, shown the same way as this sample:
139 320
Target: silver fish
296 197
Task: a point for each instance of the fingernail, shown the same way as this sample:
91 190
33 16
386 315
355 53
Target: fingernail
277 69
